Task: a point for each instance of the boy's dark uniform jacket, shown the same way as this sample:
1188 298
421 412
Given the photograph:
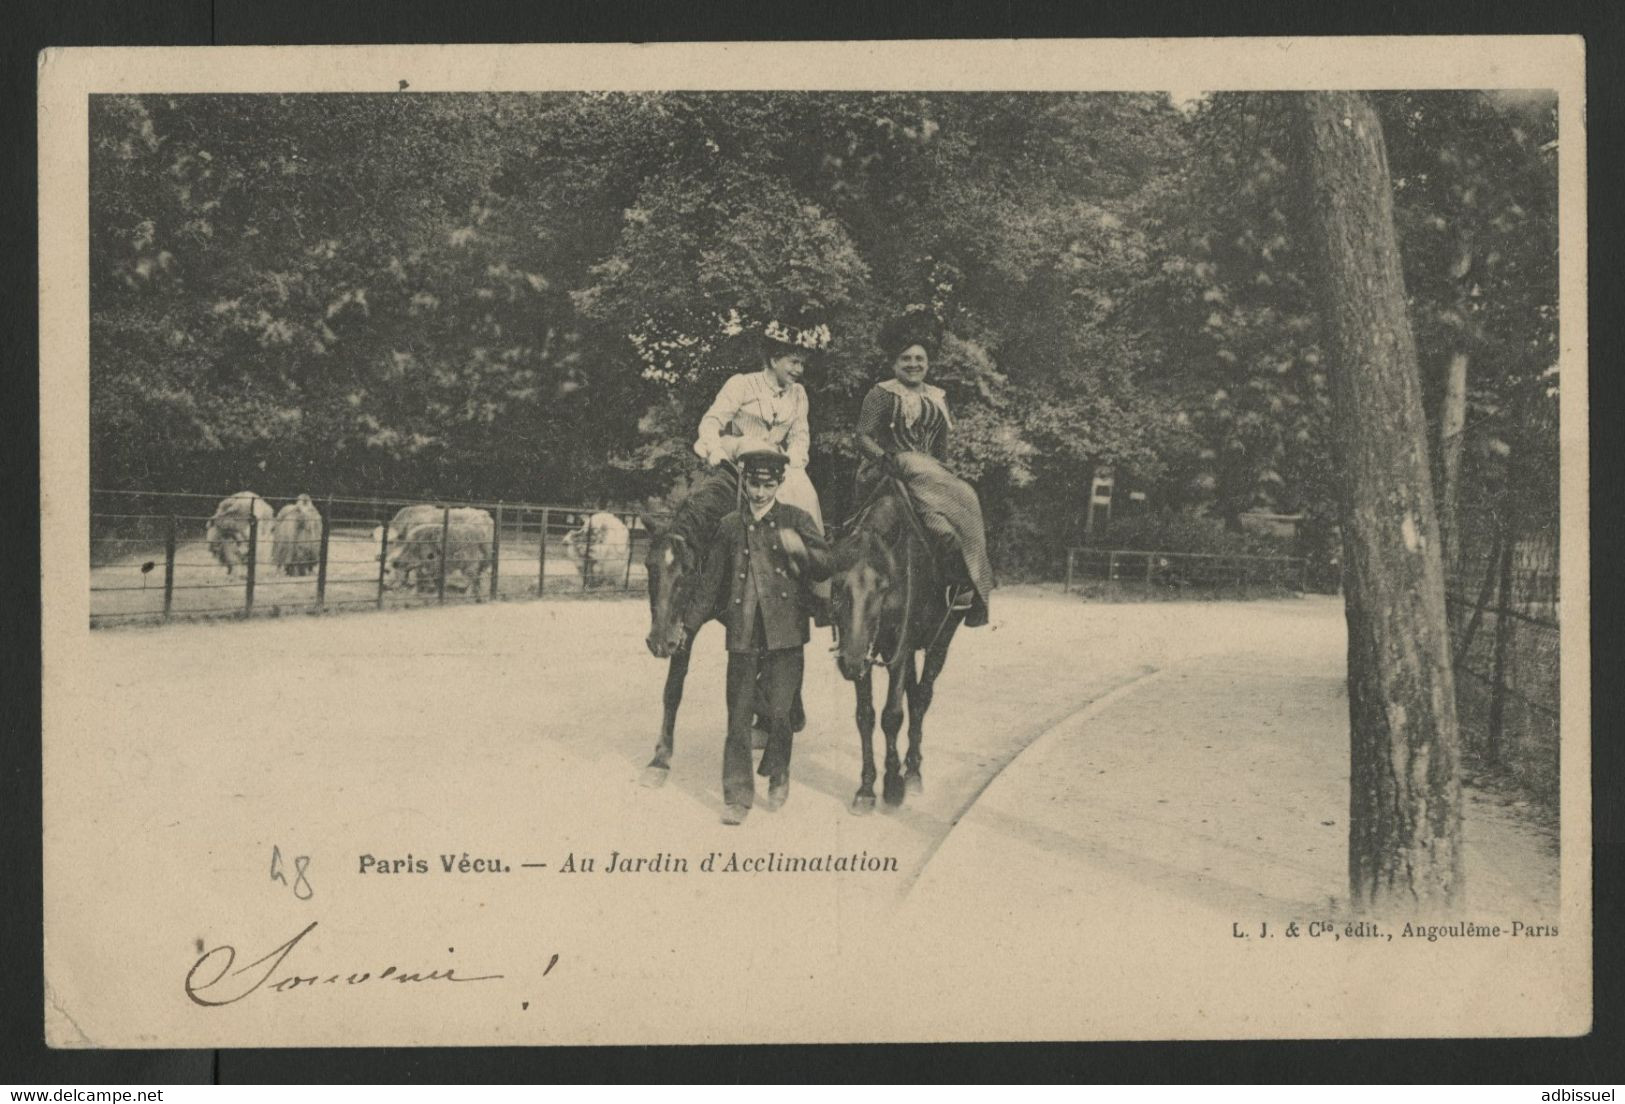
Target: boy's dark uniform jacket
747 571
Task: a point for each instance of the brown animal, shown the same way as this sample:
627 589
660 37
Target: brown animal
296 538
228 531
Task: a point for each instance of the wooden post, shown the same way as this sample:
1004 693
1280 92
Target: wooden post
253 560
587 572
541 557
1111 567
445 532
321 557
496 553
1150 565
626 583
1071 560
1503 643
169 565
383 562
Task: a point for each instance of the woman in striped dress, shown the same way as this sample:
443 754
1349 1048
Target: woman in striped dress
903 430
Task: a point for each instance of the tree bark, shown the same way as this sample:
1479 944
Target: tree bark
1404 785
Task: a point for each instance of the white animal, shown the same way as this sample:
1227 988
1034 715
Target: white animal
228 529
297 538
410 518
465 542
599 548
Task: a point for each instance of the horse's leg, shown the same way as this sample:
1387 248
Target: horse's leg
919 700
864 800
659 768
891 722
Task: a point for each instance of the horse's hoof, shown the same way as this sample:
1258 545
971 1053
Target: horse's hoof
863 804
655 777
893 790
913 784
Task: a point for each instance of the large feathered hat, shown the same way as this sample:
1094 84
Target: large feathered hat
799 336
915 326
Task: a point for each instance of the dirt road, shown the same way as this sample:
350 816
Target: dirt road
1089 770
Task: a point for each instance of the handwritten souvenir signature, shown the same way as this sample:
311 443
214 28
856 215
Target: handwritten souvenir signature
213 981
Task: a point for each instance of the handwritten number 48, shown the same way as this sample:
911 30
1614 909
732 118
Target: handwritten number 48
301 864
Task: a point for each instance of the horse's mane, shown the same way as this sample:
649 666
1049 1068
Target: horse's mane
699 514
870 533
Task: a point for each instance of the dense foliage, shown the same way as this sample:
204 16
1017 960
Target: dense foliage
534 296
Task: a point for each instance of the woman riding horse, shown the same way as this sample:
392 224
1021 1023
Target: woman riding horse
769 408
903 431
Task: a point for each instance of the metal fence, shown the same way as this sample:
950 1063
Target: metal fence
150 560
1503 598
1176 572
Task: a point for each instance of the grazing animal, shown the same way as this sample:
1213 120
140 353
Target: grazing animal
296 538
465 543
888 601
409 517
600 549
227 534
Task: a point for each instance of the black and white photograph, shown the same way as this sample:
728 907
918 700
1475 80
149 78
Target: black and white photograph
814 543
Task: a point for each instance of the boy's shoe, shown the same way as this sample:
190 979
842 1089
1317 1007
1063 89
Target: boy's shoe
735 814
778 792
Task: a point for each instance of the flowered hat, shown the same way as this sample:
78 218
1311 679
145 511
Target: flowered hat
808 338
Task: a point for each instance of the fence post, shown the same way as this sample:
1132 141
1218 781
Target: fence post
626 583
321 557
587 561
1150 565
1111 567
383 562
1071 559
253 560
169 565
541 557
445 531
1303 576
496 553
1503 642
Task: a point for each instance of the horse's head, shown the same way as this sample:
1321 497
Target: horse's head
865 574
673 564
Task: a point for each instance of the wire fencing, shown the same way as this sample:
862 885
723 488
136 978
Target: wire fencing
161 556
1102 572
1503 597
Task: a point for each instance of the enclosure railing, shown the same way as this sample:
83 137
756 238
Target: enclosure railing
1178 570
151 558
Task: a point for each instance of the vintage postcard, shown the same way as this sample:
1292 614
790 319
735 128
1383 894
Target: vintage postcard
815 542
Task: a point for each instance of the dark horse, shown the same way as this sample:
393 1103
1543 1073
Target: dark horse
676 555
888 601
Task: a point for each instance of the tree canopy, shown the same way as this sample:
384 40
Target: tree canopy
533 296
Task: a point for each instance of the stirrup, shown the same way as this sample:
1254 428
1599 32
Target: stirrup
961 598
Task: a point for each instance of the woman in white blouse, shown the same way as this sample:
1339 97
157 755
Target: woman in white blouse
769 407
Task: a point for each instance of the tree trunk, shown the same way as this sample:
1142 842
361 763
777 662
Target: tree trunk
1405 792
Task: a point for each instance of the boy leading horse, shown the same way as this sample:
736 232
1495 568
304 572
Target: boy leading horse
757 572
